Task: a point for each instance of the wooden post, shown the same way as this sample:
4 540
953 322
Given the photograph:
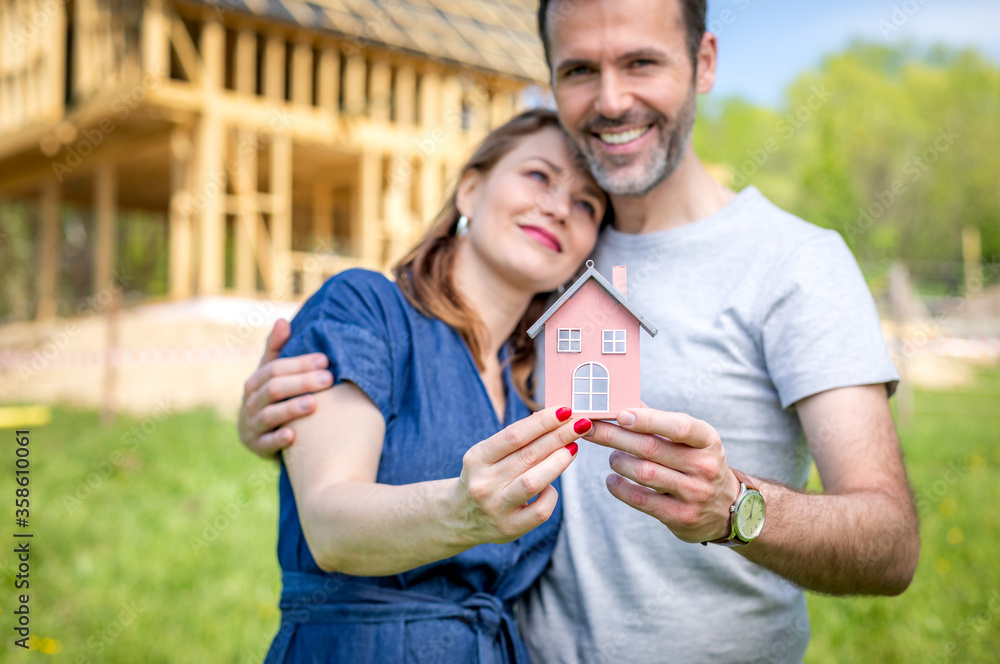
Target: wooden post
180 218
274 68
381 90
972 253
367 224
302 79
155 47
430 100
48 264
105 208
452 104
246 62
406 95
56 63
328 81
354 85
398 221
281 215
430 190
323 216
245 180
211 180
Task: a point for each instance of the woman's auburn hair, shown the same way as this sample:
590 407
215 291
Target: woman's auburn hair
425 275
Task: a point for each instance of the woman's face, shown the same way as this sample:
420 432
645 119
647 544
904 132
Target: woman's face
534 217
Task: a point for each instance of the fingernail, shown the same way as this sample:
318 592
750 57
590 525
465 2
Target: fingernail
325 378
320 363
564 413
582 426
286 436
626 419
573 449
307 402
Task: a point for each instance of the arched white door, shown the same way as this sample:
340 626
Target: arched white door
591 388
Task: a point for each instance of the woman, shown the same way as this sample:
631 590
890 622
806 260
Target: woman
408 523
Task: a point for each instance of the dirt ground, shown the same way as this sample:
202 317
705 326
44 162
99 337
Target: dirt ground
167 356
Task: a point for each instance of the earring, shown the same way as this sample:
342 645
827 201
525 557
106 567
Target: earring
462 227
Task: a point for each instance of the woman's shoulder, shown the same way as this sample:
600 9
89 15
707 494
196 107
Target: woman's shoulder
356 296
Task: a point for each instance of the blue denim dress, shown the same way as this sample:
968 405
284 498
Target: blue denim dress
421 376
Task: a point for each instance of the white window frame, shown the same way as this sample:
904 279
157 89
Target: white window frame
616 342
568 340
589 395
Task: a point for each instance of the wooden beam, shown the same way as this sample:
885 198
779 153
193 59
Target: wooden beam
213 54
246 62
328 80
105 211
302 78
210 187
48 259
56 63
245 185
430 189
274 67
354 85
380 92
323 216
451 104
430 100
398 218
180 236
406 95
187 55
155 45
367 226
281 217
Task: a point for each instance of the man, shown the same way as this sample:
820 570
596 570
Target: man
769 354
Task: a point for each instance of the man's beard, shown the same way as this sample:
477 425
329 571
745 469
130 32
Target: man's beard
667 154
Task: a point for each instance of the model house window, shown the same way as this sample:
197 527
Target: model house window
614 342
590 388
569 340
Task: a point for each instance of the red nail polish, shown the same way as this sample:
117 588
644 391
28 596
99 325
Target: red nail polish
564 413
582 426
573 449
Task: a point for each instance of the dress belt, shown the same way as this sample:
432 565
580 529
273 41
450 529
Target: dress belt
313 598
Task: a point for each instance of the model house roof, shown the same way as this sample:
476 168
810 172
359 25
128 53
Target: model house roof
496 35
591 273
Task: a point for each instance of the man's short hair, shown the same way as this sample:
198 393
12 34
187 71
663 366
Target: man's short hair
694 23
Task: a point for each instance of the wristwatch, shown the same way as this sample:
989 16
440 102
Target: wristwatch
746 515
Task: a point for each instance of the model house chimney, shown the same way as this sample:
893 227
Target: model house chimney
618 280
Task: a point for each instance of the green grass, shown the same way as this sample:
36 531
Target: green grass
168 554
154 541
951 612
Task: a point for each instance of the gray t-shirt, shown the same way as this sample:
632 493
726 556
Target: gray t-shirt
756 309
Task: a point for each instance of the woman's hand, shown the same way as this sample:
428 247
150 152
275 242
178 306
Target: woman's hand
502 473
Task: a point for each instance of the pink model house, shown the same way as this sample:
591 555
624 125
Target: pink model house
592 346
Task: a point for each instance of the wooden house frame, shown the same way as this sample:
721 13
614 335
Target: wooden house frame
297 138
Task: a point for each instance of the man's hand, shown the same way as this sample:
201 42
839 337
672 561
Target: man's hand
265 408
677 468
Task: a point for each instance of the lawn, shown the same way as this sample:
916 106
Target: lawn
154 542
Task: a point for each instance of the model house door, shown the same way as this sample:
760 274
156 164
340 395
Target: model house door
591 388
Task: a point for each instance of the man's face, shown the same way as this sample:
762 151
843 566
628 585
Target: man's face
625 87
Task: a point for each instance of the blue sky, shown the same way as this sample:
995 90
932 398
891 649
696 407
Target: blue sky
765 44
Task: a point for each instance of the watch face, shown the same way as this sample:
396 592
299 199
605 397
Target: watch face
750 516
